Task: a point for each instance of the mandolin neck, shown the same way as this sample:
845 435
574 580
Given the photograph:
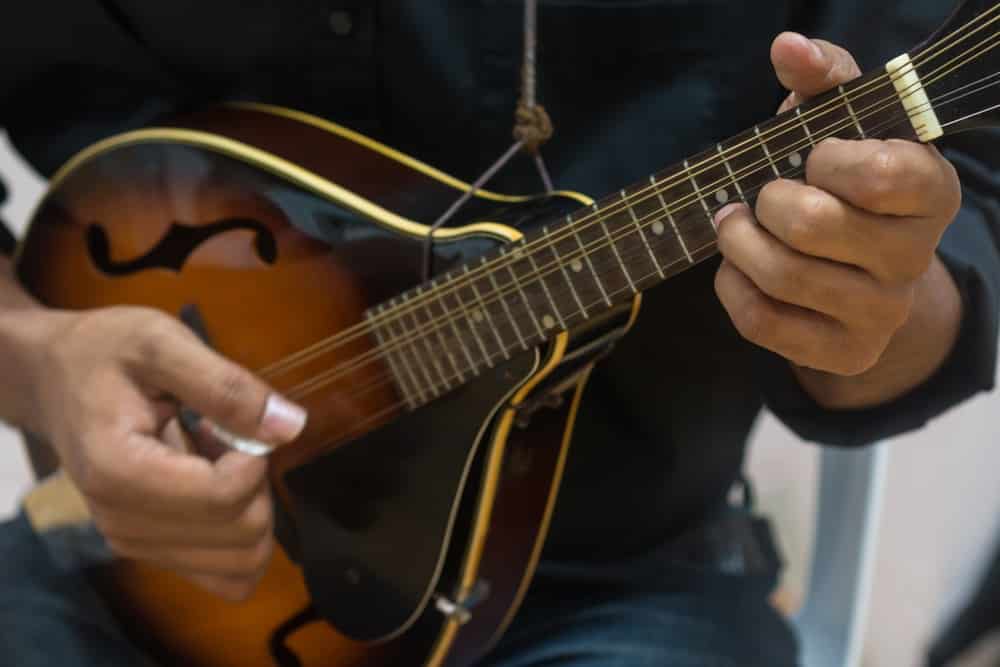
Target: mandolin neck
604 254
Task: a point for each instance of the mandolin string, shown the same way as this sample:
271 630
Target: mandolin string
944 99
439 294
435 326
311 386
303 390
440 323
358 427
327 344
398 312
333 374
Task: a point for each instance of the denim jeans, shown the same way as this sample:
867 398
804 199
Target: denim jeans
574 616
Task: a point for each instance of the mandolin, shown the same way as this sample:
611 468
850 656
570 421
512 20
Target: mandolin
413 509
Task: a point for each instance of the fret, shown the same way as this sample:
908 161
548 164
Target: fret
642 234
751 165
503 302
418 362
658 230
805 126
614 249
450 317
421 336
788 143
517 255
585 256
437 328
732 176
697 193
470 321
767 152
874 104
850 110
714 179
562 267
387 346
485 314
547 320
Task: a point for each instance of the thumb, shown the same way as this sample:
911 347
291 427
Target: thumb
230 396
808 67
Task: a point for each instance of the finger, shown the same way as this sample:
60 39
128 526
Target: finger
249 562
170 360
191 530
143 475
893 177
819 224
811 66
839 291
801 336
234 589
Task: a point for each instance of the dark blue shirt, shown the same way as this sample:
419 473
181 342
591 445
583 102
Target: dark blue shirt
631 85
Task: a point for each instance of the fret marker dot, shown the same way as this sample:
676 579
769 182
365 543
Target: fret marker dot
576 265
658 228
548 322
721 196
795 159
477 315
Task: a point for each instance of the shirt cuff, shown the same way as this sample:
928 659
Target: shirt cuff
969 251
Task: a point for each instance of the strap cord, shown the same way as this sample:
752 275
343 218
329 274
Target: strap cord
532 128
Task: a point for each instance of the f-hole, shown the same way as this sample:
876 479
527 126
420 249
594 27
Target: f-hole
176 246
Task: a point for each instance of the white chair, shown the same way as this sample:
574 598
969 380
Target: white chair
832 622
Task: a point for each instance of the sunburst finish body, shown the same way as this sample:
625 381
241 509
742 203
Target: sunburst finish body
278 230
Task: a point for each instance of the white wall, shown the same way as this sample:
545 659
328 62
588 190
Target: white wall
940 523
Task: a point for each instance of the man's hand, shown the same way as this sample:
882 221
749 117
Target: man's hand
107 390
839 274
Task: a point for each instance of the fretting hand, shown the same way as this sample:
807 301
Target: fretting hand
839 274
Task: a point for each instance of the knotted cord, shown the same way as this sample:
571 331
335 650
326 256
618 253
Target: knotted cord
532 128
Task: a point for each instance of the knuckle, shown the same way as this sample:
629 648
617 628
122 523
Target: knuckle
239 590
861 358
94 480
807 222
780 279
261 555
228 501
258 517
233 390
906 267
755 321
883 179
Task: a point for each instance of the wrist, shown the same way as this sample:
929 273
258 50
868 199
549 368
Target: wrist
26 333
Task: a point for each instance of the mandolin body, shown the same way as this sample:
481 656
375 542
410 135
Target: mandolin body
408 537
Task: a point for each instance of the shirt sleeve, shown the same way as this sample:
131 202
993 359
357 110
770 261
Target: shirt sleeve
971 252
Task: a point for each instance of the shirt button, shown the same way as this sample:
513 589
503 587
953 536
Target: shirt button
341 22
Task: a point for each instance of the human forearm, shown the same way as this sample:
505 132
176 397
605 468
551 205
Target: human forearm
914 353
25 325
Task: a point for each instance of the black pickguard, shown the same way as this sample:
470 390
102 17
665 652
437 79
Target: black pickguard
373 516
176 246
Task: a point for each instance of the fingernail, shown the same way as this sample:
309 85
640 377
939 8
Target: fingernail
283 421
812 46
724 213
